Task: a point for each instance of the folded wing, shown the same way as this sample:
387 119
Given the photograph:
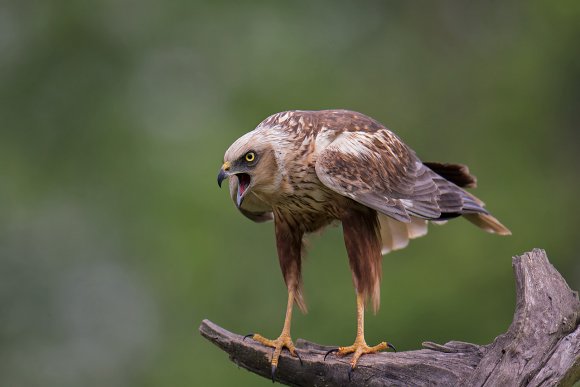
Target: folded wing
379 171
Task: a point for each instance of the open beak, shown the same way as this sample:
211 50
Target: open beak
244 181
224 173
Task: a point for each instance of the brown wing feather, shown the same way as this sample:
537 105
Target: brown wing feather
379 171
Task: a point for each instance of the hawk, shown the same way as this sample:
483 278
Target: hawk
307 169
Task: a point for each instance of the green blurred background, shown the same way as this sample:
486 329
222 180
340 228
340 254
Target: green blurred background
115 241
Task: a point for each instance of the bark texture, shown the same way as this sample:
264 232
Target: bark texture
540 348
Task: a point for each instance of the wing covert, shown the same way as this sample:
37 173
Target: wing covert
379 171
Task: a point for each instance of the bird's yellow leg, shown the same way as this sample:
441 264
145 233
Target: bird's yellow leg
284 340
360 346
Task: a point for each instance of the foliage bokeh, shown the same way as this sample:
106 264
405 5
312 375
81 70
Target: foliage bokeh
115 241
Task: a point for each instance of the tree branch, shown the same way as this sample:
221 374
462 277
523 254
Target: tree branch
541 347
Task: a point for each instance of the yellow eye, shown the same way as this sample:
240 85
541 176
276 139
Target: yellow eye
250 156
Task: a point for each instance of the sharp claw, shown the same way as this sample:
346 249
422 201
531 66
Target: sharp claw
299 358
329 352
350 373
248 335
273 372
392 347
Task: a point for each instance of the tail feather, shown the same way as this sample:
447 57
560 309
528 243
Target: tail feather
456 173
488 223
473 209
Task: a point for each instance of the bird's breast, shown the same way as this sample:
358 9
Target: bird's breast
302 196
311 206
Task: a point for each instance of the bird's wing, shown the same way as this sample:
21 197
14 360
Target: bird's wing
377 169
252 207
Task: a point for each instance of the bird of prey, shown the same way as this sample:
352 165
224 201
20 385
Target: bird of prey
307 169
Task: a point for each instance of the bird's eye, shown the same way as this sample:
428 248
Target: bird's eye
250 156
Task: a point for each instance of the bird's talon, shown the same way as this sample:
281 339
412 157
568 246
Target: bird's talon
283 341
350 373
248 335
392 347
329 352
358 349
299 358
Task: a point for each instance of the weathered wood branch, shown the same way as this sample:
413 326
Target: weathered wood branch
541 347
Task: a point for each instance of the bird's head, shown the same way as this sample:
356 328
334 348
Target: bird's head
252 161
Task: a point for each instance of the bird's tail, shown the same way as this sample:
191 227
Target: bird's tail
488 223
459 175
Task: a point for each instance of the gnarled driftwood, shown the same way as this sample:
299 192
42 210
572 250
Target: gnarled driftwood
541 347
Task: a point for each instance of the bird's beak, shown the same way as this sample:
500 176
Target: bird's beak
224 173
